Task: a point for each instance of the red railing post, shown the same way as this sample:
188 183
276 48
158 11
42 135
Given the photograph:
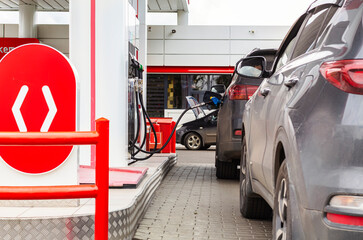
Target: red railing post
102 167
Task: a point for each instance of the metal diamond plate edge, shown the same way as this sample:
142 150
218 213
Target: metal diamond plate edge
40 203
122 224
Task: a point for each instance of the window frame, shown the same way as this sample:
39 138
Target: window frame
294 32
312 13
302 21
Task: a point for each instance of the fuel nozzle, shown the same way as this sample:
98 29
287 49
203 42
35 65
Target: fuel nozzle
135 68
213 99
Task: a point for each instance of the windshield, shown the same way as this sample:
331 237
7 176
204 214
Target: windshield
198 112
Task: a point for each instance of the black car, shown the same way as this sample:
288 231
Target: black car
199 133
228 145
302 131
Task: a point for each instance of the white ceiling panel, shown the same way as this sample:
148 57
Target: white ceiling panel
10 3
173 5
3 5
167 5
63 5
55 4
153 5
164 4
42 5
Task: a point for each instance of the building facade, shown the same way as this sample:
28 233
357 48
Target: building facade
188 60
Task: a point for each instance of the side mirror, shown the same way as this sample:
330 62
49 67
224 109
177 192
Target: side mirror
219 88
214 99
252 67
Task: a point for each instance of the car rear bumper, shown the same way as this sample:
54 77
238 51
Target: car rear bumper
230 150
316 226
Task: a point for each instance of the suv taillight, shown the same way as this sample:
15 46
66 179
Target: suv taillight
241 92
346 75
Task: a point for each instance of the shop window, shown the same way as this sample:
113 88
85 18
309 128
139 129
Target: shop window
168 91
155 95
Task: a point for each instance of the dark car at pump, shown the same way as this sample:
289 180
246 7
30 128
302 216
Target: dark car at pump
302 130
228 145
199 133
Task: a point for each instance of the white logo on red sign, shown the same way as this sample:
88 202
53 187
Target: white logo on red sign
19 101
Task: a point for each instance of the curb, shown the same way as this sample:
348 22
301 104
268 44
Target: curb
122 223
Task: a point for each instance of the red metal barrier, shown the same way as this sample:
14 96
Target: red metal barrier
100 138
150 137
166 126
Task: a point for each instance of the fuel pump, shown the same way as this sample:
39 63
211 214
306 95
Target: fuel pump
134 87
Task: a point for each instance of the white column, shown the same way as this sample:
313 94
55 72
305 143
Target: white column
143 41
111 66
80 55
112 74
183 18
27 26
143 58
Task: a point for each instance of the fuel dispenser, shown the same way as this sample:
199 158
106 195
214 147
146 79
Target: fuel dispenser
134 88
139 118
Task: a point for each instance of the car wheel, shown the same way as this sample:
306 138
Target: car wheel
193 141
282 218
251 205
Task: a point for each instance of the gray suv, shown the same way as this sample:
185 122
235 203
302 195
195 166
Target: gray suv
229 134
302 142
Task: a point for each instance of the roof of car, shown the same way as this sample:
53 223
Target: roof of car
257 51
318 3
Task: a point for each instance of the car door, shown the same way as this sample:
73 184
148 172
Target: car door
286 82
211 128
257 138
261 102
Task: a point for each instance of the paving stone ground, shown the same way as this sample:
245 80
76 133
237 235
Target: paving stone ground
192 203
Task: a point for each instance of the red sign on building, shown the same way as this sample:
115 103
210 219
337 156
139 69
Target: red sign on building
8 44
37 94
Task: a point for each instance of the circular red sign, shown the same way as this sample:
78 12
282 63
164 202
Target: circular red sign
37 93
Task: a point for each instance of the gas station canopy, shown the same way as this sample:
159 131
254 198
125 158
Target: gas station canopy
63 5
167 5
42 5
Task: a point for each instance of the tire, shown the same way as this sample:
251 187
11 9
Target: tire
251 205
281 223
193 141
